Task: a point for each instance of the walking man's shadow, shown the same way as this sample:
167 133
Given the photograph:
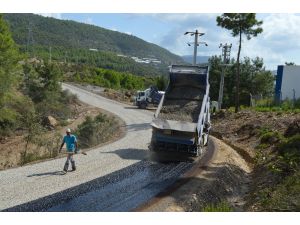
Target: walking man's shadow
48 173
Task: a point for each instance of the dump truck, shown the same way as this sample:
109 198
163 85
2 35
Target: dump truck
182 120
150 96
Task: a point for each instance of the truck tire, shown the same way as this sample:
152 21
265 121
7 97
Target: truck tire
143 105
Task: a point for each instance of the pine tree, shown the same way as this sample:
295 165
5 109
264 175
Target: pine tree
9 57
239 24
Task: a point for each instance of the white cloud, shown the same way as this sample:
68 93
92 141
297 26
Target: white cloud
186 18
278 42
176 41
275 45
282 31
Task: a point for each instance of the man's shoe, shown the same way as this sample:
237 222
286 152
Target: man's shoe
66 167
73 166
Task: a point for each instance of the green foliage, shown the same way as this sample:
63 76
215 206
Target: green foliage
8 119
95 131
284 196
254 79
271 137
222 206
263 130
9 57
29 157
41 81
288 160
108 78
9 71
268 105
161 83
240 23
41 84
284 163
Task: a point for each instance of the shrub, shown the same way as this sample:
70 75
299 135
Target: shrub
271 137
95 131
222 206
288 159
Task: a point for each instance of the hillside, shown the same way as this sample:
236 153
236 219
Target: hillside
68 38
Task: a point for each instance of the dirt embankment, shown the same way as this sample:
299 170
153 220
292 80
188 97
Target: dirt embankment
242 130
257 136
239 175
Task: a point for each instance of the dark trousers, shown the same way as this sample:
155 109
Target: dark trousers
70 158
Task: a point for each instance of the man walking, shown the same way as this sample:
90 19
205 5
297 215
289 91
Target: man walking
71 143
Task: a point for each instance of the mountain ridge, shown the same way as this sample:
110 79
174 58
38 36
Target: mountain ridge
48 31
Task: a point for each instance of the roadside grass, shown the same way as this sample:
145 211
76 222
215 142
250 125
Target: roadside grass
276 109
268 105
286 106
45 146
284 196
222 206
283 165
31 157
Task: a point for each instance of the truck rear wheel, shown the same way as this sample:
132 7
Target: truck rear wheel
143 105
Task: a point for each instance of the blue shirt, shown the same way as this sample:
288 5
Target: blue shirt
70 142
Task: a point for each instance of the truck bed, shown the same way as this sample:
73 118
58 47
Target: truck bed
182 104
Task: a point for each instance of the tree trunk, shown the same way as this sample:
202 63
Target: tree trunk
237 93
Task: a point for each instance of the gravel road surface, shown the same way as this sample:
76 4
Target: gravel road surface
115 177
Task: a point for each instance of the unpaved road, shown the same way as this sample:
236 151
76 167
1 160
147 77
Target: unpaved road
114 177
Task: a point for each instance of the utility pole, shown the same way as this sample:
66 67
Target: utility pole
196 43
30 40
226 57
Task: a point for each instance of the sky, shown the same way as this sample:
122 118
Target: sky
279 42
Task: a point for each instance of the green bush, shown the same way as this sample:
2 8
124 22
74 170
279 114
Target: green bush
222 206
288 159
271 137
95 131
110 79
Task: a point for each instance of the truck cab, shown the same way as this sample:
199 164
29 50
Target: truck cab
149 96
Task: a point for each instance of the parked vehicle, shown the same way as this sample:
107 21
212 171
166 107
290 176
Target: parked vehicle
149 96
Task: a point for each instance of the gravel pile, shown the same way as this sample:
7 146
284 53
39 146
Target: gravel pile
182 104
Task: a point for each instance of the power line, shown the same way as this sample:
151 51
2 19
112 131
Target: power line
30 40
